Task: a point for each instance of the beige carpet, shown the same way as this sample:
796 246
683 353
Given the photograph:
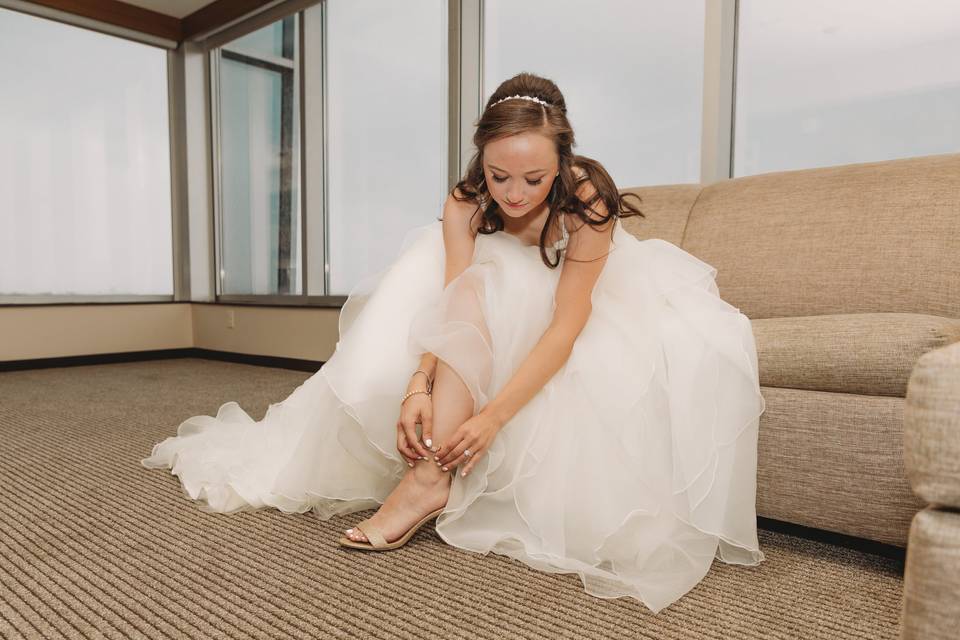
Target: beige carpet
94 545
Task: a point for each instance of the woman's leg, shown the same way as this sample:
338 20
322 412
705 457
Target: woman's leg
425 487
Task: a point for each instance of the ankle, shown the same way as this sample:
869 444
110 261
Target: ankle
427 472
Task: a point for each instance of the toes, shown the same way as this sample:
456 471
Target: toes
356 535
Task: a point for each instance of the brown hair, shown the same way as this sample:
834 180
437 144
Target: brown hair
513 117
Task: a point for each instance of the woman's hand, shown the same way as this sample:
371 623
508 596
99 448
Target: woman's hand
418 408
475 434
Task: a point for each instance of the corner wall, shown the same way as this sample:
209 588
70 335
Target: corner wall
52 331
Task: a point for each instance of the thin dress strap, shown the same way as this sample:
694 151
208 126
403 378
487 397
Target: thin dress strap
562 242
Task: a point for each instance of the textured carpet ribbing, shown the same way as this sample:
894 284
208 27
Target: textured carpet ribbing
92 544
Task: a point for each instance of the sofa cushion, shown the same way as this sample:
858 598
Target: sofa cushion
859 238
865 353
834 461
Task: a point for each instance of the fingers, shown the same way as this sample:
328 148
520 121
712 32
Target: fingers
455 456
450 450
410 429
472 461
426 421
451 454
409 455
404 442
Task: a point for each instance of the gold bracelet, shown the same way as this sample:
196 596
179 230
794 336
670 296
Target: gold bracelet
410 393
429 381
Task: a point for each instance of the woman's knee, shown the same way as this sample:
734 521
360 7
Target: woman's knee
449 390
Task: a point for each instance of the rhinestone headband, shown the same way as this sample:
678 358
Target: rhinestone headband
531 98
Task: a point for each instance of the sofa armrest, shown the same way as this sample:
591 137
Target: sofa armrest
931 431
931 427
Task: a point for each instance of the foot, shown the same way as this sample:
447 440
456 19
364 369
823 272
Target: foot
423 489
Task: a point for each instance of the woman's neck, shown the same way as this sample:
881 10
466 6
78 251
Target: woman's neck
529 225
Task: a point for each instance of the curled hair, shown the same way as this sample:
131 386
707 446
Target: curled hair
513 117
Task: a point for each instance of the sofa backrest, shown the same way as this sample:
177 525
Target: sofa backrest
857 238
665 208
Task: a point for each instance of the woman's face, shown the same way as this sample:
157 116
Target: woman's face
520 170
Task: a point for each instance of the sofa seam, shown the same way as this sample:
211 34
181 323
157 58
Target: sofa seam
686 223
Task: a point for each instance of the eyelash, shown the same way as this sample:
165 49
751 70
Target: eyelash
532 184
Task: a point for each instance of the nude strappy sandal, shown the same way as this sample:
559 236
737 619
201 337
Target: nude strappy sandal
376 541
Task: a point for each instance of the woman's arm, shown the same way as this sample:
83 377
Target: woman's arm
458 247
544 360
586 254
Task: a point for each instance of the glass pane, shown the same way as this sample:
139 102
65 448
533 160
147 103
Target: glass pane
387 134
268 41
824 83
84 162
633 81
259 147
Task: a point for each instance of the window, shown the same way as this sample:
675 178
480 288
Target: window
85 205
824 83
386 129
631 74
375 115
258 123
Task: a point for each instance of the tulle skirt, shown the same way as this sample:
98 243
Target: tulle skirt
634 467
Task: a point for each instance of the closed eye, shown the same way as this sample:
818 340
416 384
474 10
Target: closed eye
532 184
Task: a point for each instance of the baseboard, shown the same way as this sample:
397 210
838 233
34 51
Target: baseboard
831 537
162 354
296 364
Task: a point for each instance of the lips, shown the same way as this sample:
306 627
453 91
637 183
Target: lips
515 206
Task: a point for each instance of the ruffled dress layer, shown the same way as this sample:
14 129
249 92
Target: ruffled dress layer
634 467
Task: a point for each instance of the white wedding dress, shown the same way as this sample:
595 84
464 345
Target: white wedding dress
634 467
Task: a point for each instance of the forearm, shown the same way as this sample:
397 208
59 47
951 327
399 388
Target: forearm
545 359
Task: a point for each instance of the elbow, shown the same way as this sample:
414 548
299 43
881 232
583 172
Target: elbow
564 338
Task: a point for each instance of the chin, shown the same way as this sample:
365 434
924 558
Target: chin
510 212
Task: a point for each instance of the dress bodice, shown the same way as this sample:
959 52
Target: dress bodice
558 245
562 242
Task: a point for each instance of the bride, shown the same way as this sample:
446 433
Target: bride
529 374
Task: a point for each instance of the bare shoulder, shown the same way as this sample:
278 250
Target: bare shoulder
596 211
459 235
461 215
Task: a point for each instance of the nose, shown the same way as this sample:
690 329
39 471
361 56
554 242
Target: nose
513 197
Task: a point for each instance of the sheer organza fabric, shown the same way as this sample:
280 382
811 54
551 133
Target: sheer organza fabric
634 467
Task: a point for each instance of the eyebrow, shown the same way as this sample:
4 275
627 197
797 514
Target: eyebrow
526 174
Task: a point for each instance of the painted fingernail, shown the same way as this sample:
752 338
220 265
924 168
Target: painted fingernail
410 464
463 473
444 468
436 458
428 442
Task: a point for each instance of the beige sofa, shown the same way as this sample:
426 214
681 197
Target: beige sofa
851 277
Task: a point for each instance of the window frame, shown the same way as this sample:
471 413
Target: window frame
465 55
